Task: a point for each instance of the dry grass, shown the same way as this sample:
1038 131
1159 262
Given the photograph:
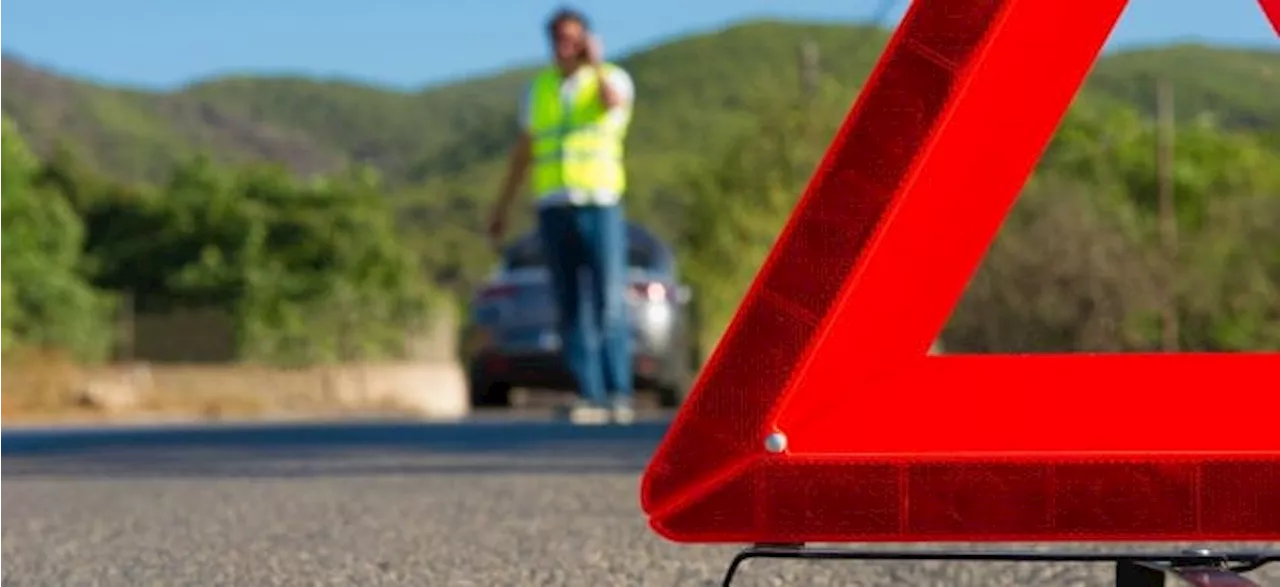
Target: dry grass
41 384
46 387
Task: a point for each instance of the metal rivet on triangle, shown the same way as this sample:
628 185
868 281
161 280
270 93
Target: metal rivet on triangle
776 442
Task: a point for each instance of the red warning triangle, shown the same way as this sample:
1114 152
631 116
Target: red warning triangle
820 417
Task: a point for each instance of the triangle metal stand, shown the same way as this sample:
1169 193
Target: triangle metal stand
1191 568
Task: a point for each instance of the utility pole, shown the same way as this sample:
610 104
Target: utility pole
810 68
1168 212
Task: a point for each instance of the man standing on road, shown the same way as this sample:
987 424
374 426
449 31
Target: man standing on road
573 122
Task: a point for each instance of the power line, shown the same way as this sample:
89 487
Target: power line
1168 211
882 12
810 58
879 20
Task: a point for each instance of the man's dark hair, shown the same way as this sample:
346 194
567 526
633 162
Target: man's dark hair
564 15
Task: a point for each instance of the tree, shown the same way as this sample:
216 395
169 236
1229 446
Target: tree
1113 146
740 197
307 271
1067 272
1076 266
48 302
327 276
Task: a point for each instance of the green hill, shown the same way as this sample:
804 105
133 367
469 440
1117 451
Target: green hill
722 145
692 92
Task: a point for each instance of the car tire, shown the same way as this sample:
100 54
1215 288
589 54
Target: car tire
672 395
489 394
679 378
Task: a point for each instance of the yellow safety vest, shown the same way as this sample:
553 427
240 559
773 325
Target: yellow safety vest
575 149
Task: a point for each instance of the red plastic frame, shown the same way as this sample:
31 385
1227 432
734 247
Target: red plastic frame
884 443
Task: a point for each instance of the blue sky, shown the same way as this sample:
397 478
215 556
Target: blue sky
409 43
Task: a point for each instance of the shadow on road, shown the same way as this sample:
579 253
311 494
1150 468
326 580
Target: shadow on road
330 450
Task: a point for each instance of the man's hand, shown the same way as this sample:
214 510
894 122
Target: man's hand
595 50
595 59
497 228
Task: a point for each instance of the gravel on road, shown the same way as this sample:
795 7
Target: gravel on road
371 514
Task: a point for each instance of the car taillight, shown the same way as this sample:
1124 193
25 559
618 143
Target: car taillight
495 291
651 291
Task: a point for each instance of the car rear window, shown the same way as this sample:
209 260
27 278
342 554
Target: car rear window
644 258
525 256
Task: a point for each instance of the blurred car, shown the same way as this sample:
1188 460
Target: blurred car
512 339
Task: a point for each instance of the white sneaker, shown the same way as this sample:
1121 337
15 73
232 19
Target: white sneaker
623 413
581 412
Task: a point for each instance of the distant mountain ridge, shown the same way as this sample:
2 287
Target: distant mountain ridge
697 82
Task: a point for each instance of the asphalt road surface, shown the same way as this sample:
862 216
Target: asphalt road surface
494 502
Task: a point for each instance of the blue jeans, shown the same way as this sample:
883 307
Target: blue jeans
586 253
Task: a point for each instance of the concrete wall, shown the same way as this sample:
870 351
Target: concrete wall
181 363
182 336
207 335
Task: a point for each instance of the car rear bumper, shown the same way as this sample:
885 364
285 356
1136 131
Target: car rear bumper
547 370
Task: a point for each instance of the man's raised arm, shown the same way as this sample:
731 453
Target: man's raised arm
614 92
